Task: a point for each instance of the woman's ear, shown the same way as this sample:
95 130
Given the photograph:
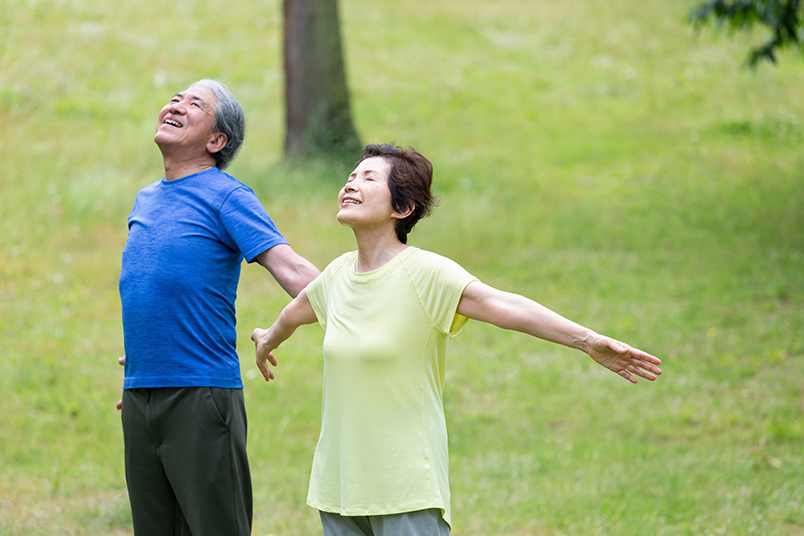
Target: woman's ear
407 212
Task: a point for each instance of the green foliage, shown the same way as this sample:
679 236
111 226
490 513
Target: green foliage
595 155
782 17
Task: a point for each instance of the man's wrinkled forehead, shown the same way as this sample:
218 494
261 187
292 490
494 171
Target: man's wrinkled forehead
205 97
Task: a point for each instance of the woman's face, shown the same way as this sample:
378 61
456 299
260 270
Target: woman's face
365 199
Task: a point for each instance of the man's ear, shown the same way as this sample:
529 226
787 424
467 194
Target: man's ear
216 142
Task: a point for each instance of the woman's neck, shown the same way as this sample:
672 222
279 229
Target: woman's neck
375 250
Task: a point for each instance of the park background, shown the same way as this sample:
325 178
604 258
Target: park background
601 157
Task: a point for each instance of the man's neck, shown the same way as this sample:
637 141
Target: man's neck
177 169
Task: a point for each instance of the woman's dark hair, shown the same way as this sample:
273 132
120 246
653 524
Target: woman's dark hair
409 181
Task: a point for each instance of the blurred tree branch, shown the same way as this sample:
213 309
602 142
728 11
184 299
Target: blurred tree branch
782 17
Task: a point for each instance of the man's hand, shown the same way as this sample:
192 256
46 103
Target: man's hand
122 361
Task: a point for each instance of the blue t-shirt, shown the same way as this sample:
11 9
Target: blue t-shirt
178 283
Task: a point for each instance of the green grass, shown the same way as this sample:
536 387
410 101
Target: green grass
600 157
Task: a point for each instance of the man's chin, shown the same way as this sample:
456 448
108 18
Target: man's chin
165 134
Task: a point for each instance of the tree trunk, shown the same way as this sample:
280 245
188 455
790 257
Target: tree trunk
317 116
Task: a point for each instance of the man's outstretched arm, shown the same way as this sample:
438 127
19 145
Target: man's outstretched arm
292 271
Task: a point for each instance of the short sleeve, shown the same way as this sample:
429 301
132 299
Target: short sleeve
318 289
440 282
248 224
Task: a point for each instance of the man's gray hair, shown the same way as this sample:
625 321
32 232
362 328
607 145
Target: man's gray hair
229 119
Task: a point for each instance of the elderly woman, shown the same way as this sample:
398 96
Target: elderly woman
388 309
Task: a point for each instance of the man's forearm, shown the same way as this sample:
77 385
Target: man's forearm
292 271
301 275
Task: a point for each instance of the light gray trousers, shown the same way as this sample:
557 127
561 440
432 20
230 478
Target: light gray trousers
418 523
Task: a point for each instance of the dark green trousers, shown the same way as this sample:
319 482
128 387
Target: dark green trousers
186 465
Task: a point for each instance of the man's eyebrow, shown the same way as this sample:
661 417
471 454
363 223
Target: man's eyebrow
193 97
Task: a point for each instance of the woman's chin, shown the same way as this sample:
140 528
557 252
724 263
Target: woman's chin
344 219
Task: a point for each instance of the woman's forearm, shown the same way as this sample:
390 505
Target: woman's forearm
512 311
296 313
527 316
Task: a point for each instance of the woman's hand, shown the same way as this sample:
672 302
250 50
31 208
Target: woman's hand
263 352
297 313
622 359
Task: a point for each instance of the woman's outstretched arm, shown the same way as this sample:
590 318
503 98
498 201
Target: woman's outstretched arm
297 313
512 311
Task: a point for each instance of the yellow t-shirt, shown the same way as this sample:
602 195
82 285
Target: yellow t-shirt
383 443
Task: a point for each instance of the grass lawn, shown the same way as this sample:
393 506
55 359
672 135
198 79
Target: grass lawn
600 157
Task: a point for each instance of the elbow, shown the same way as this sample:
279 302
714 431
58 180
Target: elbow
295 278
300 280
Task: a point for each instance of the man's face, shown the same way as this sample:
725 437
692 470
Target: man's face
187 119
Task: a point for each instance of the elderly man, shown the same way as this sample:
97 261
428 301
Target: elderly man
183 413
